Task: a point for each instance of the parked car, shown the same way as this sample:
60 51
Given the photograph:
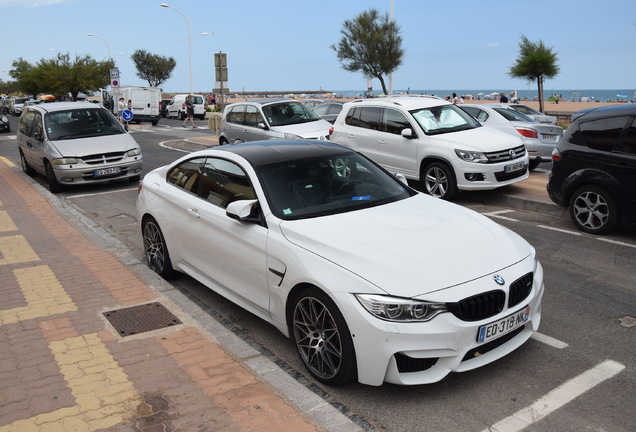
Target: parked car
164 107
433 141
312 103
4 124
328 247
540 139
594 169
328 111
177 109
533 113
17 105
270 119
75 143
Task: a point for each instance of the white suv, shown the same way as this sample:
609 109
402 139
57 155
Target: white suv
430 140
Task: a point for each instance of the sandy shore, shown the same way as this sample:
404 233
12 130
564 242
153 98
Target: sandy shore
564 107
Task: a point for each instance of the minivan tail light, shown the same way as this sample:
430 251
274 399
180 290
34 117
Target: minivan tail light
528 133
330 130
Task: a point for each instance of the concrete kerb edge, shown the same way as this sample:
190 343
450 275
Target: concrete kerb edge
310 402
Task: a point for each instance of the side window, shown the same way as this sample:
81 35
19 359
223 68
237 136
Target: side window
36 128
394 121
236 115
602 134
370 118
25 123
223 182
187 175
252 116
321 109
197 100
353 117
629 144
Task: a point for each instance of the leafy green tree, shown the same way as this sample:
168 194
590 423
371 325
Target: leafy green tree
22 72
152 67
371 44
535 63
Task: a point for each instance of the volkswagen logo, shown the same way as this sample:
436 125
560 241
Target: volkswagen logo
498 278
512 153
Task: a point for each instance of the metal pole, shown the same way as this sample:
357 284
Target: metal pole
189 43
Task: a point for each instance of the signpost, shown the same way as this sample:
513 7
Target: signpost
114 77
127 115
220 69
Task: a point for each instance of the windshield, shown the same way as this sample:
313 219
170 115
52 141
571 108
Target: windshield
512 115
523 109
288 113
443 119
326 185
81 123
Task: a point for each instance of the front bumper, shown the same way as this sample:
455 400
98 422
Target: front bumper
83 174
423 353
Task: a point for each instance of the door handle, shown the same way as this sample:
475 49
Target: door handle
194 212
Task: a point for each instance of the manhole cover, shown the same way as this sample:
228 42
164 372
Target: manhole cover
140 319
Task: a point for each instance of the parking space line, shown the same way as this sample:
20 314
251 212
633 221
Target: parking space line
558 397
554 343
497 214
100 193
560 230
616 242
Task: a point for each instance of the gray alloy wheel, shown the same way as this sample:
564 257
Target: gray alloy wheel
54 185
593 210
28 169
342 167
438 181
322 338
155 249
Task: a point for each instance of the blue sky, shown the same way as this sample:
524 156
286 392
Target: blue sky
285 44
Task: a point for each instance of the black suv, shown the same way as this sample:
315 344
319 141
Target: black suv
594 168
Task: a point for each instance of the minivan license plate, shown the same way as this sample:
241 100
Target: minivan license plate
499 328
514 167
106 171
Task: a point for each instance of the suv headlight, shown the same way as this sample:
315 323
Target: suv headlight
400 309
471 156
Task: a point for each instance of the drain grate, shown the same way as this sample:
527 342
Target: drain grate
140 319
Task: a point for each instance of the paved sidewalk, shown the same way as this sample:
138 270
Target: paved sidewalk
65 367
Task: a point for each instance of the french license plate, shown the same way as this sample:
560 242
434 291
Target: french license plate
499 328
547 137
514 167
106 171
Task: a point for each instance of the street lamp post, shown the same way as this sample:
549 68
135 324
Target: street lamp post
105 43
188 38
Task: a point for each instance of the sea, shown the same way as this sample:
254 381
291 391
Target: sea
573 95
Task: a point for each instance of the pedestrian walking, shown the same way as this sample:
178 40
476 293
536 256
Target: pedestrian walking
121 106
189 111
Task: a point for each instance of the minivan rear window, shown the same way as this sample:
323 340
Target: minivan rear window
602 134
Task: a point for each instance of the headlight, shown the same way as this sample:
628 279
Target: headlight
65 161
471 156
134 152
5 120
400 309
292 136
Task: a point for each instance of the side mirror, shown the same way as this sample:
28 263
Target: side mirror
401 178
262 126
407 133
242 210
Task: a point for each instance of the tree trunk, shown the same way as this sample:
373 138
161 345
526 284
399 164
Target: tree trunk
540 88
381 78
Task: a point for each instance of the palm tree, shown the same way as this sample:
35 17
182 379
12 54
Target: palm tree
372 44
535 62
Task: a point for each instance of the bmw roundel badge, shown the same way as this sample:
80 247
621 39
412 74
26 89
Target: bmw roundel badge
499 279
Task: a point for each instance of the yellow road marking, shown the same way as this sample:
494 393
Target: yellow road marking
104 397
15 249
6 223
7 161
43 294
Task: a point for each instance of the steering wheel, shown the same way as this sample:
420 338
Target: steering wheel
349 184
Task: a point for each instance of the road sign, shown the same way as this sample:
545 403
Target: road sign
114 74
114 83
127 115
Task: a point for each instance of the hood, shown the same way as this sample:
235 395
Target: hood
80 147
411 247
313 129
482 139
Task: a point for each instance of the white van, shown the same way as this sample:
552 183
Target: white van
144 102
176 108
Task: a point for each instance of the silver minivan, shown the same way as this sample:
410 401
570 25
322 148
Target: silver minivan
265 119
74 143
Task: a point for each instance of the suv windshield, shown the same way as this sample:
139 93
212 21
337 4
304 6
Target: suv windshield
443 119
288 113
330 184
81 123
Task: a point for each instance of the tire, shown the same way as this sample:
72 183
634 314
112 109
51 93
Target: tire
28 169
155 122
322 338
181 115
223 141
439 181
533 164
54 185
593 210
156 250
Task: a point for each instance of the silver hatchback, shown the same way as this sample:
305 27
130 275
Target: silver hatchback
75 143
265 119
